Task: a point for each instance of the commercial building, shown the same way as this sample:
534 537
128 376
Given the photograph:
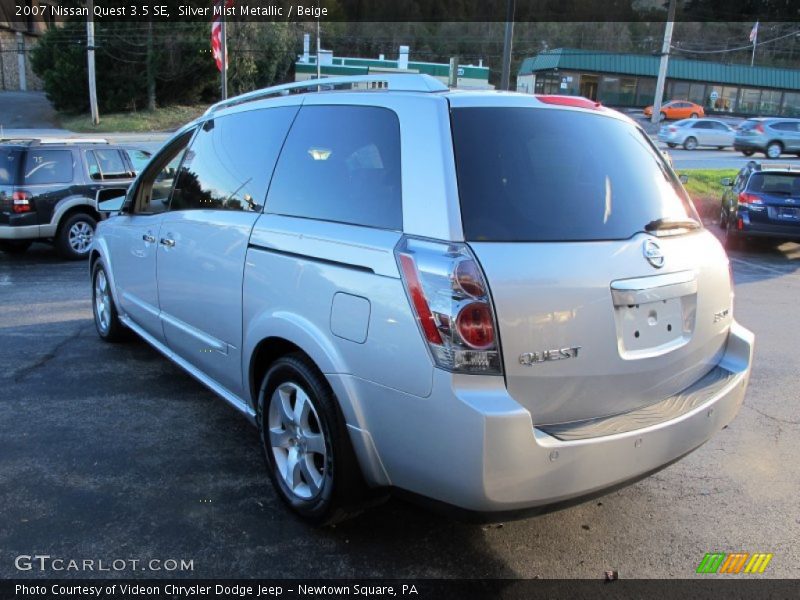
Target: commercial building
466 76
629 80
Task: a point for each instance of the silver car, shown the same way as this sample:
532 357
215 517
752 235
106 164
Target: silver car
435 292
772 136
691 133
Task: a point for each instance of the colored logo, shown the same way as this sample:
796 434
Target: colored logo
734 563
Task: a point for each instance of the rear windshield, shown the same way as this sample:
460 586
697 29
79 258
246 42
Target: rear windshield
748 125
10 160
786 184
528 175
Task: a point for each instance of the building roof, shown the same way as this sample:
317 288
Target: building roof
647 65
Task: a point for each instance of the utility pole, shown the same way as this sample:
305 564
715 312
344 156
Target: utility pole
90 58
151 75
223 34
319 66
505 78
662 68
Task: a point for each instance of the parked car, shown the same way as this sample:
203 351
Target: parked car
48 189
691 133
772 136
677 109
499 302
762 201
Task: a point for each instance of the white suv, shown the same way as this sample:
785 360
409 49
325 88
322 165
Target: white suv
501 303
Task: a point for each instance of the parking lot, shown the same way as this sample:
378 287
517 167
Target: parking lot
111 452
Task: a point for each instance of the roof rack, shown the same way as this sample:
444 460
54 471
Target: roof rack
46 141
398 82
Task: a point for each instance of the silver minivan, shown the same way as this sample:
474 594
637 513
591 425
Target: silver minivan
498 302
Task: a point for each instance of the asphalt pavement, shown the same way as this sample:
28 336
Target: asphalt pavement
111 452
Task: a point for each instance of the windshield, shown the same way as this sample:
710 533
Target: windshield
527 174
9 165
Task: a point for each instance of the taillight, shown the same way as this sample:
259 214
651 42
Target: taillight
450 300
759 128
673 129
22 201
745 198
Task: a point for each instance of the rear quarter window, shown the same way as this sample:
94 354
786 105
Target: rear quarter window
341 164
48 166
10 161
530 174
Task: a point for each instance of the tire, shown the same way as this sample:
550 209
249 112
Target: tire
106 318
299 422
671 145
723 218
773 150
748 152
720 147
662 116
690 143
75 235
15 246
693 116
733 241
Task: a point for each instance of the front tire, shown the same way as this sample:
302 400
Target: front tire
748 152
75 235
15 246
310 460
106 318
671 145
690 143
662 116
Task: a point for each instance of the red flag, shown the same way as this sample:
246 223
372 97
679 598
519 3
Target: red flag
216 34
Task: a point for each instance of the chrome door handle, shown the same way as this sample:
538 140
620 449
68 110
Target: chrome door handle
167 242
149 238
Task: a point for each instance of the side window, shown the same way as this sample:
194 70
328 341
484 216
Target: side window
702 125
155 186
106 164
341 163
48 166
230 161
139 159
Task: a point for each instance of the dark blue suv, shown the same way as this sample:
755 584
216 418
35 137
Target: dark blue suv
763 201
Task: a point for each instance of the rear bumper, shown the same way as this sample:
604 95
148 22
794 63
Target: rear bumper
472 446
19 232
768 230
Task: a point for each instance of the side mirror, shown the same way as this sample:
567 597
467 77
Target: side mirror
684 178
727 182
111 200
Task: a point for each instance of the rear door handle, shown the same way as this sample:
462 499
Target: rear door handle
167 242
149 238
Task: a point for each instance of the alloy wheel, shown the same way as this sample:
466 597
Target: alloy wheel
102 301
297 441
80 237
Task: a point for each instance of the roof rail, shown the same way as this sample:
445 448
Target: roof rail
780 167
398 82
72 141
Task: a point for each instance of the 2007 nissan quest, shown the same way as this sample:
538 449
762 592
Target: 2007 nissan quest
495 301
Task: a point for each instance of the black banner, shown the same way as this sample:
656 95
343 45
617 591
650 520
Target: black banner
20 11
732 588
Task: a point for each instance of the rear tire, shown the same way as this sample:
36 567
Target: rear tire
690 143
15 246
305 441
774 150
75 235
693 116
106 318
733 240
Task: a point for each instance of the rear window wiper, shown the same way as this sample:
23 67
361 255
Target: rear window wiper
666 224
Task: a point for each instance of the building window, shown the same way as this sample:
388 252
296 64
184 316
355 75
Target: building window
770 102
697 93
646 91
679 91
749 101
791 105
